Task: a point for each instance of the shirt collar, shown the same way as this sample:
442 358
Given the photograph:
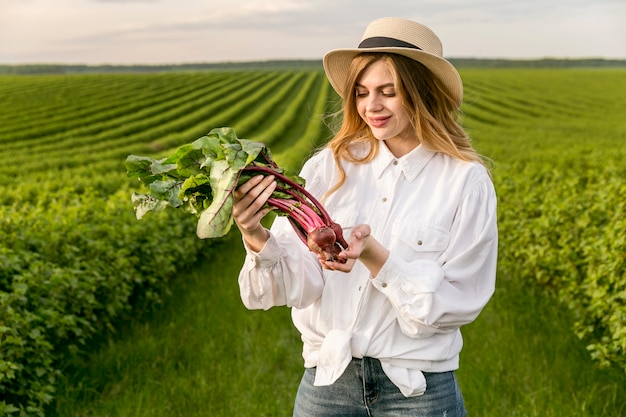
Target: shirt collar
411 164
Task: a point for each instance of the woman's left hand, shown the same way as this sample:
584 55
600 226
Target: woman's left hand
361 246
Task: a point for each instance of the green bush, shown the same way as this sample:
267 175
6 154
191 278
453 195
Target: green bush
565 227
70 266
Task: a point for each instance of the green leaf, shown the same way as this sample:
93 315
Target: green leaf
9 408
211 146
192 158
225 134
147 169
196 193
191 162
144 203
201 177
242 153
167 190
161 166
217 219
138 166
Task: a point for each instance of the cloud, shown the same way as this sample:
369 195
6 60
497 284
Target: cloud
164 31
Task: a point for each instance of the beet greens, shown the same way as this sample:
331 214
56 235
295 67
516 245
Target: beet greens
202 176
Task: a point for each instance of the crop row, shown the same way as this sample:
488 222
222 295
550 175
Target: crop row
541 94
126 117
252 104
160 116
84 99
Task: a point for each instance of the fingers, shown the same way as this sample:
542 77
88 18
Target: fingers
357 245
339 266
249 185
255 191
250 198
361 231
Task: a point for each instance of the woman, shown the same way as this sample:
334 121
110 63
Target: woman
380 326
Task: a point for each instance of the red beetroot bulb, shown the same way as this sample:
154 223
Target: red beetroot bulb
323 241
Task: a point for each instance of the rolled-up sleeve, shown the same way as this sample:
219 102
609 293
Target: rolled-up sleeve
284 272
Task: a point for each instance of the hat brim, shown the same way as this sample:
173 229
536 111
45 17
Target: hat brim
337 62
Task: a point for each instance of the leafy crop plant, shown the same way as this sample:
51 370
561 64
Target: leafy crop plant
202 176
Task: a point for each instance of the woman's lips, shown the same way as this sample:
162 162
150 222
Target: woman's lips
378 121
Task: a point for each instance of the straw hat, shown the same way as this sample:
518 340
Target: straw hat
398 36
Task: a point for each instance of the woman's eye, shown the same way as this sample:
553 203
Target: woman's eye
384 93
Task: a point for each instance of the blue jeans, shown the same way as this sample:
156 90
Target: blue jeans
364 390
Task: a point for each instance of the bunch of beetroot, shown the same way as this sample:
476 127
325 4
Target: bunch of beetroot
202 176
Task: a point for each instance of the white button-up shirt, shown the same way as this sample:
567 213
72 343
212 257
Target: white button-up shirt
437 216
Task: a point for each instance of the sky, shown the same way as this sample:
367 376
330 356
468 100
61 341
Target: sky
191 31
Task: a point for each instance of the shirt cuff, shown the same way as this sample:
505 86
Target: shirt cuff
267 256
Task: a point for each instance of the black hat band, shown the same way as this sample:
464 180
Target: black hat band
385 42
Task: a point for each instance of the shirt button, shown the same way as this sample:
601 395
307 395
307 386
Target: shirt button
384 199
395 162
384 285
419 243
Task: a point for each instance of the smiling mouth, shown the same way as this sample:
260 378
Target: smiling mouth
378 121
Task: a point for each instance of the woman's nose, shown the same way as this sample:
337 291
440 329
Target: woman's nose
373 103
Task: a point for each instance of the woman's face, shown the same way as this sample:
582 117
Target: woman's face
381 108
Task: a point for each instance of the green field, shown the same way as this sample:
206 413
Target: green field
104 315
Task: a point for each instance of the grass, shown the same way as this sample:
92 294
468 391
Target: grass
204 354
201 354
521 358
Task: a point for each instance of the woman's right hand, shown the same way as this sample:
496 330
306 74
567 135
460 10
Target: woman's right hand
248 210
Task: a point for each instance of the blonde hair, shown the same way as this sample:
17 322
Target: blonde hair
434 113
